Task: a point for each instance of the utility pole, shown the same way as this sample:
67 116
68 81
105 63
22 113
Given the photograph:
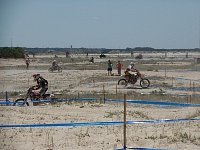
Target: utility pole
124 121
199 32
11 43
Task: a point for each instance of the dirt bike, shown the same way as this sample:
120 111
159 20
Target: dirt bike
55 68
132 79
31 96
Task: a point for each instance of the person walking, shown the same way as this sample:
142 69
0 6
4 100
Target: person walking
119 67
109 69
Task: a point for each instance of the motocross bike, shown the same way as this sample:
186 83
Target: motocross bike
132 79
55 68
31 96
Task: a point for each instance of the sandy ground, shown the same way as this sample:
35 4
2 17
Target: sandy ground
179 135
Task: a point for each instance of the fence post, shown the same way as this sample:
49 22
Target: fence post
124 121
28 81
116 89
104 95
193 88
190 98
93 82
6 98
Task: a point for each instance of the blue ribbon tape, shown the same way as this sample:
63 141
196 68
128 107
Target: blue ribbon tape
146 102
96 123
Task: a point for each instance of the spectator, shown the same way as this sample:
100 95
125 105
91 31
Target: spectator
119 68
109 67
27 61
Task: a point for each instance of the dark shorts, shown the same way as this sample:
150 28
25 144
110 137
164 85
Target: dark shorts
109 69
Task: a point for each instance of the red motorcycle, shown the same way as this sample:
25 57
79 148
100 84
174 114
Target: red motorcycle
132 79
31 95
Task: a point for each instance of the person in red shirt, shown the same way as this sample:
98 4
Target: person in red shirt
119 67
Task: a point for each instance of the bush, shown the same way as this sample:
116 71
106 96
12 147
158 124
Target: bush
15 52
139 56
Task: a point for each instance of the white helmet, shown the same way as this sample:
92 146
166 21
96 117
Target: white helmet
132 64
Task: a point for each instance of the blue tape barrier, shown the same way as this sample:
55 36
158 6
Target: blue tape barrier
150 102
186 89
146 102
96 123
140 148
4 102
179 78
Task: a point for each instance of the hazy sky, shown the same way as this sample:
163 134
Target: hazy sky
100 23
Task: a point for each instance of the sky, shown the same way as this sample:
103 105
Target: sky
115 24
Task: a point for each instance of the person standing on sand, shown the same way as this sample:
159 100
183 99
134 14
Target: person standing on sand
109 67
119 68
27 61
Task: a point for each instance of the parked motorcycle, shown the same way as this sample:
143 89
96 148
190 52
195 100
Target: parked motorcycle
55 68
31 95
132 79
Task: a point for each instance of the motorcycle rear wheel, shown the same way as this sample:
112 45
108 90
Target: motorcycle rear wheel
144 83
21 102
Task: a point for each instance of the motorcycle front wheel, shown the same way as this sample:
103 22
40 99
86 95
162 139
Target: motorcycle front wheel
59 69
21 102
144 83
122 82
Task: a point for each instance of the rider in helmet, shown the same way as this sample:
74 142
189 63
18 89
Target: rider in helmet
129 71
132 68
54 64
41 84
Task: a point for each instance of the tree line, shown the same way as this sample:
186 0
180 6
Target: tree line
14 52
105 50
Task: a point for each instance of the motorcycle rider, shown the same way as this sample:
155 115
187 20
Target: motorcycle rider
54 64
41 84
131 69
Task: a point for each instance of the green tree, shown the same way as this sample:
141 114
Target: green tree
15 52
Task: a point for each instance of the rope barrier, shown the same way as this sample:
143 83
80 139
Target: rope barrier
72 124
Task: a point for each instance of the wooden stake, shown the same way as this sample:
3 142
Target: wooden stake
124 121
116 89
6 97
193 87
